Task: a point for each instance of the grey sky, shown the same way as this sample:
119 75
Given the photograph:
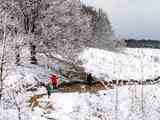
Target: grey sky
132 18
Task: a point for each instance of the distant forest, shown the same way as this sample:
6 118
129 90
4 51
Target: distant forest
133 43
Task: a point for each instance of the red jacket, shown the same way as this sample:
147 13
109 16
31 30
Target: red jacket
54 79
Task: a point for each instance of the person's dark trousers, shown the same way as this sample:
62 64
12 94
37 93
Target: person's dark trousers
90 82
54 87
90 79
49 93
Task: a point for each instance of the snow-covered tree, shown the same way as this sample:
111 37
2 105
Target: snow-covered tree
68 26
64 29
104 35
13 28
30 13
60 27
10 38
5 34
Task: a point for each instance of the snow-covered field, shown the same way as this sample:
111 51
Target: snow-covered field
130 63
100 106
103 105
128 103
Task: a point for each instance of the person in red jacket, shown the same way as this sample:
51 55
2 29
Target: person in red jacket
54 80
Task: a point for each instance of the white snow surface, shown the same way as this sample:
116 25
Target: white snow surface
129 105
25 75
129 63
103 105
99 106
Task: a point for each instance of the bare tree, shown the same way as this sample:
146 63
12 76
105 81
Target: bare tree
17 105
103 33
63 30
13 26
8 25
2 62
30 11
61 27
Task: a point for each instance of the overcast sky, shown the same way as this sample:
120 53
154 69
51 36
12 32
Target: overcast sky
132 18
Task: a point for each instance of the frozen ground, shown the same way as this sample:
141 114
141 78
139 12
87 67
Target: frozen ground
128 64
128 103
100 106
103 105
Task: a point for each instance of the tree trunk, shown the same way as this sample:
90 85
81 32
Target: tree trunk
17 55
33 59
2 59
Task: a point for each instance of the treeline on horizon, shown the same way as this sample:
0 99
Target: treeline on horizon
143 43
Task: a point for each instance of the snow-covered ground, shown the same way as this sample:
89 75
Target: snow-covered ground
130 63
100 106
26 75
103 105
127 104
